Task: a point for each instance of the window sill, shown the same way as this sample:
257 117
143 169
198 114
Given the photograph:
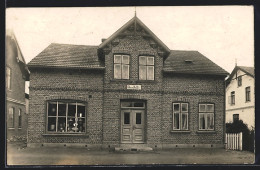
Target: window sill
248 101
11 128
19 128
206 131
180 131
121 80
65 134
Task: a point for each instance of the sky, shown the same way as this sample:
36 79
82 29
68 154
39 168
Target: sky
224 34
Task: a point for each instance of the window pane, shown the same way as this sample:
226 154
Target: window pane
81 111
125 72
138 104
61 124
126 104
142 72
62 109
72 110
176 107
126 118
20 118
150 60
184 107
52 124
184 122
210 121
150 72
70 125
210 108
176 120
142 60
125 59
117 59
52 109
138 118
202 120
81 124
117 71
11 117
202 107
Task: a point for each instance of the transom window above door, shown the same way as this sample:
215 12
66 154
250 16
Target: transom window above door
121 66
146 68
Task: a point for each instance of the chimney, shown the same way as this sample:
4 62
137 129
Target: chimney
103 39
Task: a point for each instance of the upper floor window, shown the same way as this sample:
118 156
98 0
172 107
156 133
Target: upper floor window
11 117
8 78
247 94
146 68
235 117
239 81
121 66
66 117
206 116
232 98
20 118
180 116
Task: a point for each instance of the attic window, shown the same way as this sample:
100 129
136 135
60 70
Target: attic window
188 61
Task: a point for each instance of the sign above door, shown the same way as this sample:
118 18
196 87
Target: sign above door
133 87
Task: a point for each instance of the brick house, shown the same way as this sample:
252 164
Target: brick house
131 90
16 75
240 99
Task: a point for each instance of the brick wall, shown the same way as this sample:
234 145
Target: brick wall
193 90
65 84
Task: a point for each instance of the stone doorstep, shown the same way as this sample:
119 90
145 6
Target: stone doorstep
133 149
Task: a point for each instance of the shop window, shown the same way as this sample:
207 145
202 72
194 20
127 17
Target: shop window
247 94
11 117
66 117
239 81
20 118
121 66
206 116
146 68
8 78
180 116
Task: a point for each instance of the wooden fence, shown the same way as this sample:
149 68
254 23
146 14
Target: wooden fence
233 141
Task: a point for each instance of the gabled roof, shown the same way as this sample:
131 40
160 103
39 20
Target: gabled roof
67 56
20 58
130 22
191 62
248 70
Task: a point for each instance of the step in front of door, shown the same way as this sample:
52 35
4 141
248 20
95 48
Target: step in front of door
133 149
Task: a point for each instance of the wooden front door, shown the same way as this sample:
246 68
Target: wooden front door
132 123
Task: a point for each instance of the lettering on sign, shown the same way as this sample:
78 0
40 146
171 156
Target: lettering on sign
133 87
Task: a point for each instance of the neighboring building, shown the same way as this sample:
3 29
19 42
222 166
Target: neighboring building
16 75
240 95
131 90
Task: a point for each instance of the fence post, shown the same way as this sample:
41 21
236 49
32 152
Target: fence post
241 141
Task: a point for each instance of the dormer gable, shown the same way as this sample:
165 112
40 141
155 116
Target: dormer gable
134 27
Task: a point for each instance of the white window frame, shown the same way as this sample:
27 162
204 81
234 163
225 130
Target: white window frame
147 66
205 112
121 64
180 112
57 102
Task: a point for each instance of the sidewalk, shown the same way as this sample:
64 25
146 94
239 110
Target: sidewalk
18 155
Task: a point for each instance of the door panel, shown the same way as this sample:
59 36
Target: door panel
132 126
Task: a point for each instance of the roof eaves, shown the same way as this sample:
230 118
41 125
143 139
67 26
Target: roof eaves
65 67
194 73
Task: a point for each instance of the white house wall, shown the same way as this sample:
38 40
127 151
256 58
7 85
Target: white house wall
245 109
